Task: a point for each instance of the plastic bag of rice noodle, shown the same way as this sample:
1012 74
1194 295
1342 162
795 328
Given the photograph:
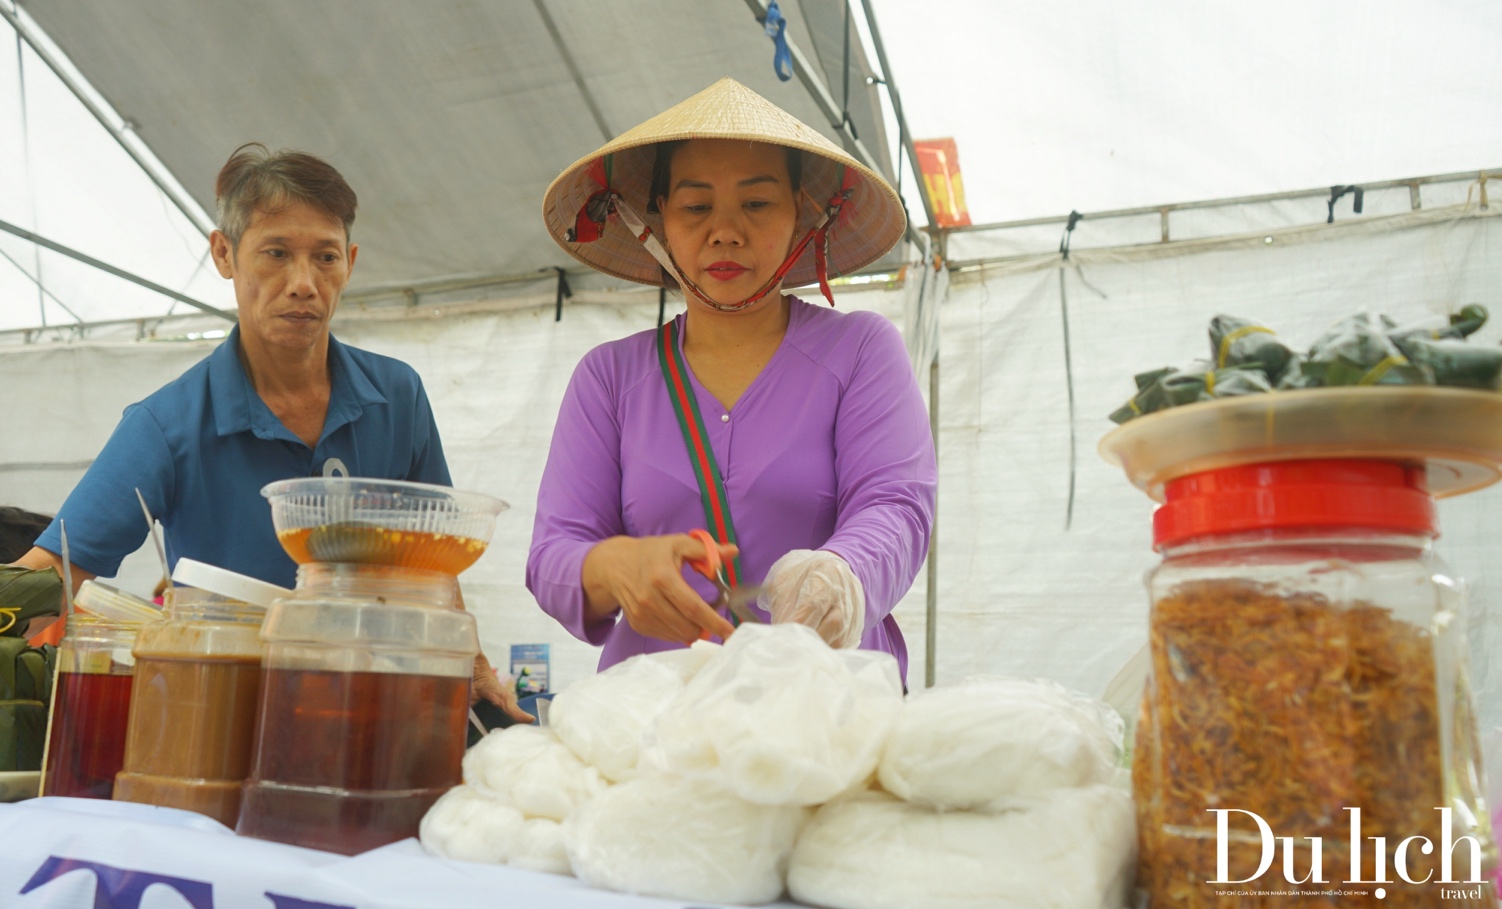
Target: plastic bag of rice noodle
531 770
682 839
472 826
779 718
687 661
1074 849
540 847
991 743
601 718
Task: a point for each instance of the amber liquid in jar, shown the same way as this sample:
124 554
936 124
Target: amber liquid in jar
192 727
348 761
369 544
86 741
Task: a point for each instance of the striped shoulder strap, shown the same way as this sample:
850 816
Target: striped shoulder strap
691 422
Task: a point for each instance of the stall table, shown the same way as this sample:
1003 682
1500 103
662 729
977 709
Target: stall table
63 853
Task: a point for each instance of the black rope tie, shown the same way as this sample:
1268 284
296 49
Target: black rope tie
1336 192
563 291
662 304
1074 219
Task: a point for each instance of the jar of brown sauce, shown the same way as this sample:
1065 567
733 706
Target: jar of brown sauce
193 708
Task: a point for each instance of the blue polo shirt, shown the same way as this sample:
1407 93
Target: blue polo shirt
201 448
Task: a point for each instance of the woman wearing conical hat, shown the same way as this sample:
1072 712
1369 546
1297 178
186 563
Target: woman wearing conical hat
793 432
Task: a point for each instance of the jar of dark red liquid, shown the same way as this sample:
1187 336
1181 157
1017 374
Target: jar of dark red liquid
1307 727
91 694
193 710
363 708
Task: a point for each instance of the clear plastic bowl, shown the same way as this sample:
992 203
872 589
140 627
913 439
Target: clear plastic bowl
1456 433
381 522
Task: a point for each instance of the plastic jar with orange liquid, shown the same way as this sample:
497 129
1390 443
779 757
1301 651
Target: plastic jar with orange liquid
363 709
91 694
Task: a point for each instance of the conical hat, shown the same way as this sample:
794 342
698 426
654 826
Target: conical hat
871 222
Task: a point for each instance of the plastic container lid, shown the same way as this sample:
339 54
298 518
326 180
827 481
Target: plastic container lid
1456 433
1376 495
226 583
115 605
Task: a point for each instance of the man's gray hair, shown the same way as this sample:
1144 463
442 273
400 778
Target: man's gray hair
256 179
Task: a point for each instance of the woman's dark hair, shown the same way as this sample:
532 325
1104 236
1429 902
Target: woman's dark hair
662 170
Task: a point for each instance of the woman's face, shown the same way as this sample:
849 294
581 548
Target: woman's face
729 215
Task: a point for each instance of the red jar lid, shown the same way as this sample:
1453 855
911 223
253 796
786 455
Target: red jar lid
1377 495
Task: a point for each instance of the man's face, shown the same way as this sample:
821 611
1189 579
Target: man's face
289 270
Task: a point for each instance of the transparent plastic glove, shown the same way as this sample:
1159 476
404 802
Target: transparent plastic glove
817 589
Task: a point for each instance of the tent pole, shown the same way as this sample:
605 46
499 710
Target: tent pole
827 105
25 234
573 69
1409 183
121 129
930 644
907 136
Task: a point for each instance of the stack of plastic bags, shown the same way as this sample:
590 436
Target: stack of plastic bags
731 775
773 724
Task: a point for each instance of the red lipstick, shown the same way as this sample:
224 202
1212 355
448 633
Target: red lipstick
726 271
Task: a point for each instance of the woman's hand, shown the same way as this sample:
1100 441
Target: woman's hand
644 578
817 589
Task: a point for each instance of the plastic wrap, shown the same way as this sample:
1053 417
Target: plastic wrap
1076 848
817 589
540 847
472 826
530 769
780 718
996 743
682 839
601 718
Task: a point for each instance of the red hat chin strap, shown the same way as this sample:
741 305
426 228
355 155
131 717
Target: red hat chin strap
590 215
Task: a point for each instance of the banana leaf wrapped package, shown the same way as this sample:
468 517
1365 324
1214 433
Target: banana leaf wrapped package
1454 327
25 672
1455 362
1169 387
26 594
1235 341
1357 351
1362 349
1438 344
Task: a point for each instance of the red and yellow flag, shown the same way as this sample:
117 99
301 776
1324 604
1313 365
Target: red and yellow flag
940 161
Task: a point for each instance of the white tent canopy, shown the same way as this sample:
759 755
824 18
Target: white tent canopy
449 118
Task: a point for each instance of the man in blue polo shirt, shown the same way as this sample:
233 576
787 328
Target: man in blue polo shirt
279 398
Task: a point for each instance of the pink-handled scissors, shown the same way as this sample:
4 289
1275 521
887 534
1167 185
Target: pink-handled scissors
712 566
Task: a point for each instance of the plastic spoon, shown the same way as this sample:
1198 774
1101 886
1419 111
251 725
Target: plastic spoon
62 529
161 553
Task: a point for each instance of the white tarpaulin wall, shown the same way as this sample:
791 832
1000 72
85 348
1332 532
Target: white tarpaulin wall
1019 592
